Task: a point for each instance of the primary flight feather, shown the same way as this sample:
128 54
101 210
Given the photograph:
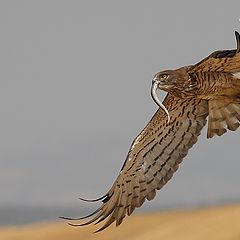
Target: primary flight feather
210 88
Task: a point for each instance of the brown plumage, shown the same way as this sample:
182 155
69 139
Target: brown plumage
209 88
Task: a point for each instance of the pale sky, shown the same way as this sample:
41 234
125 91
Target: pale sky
75 91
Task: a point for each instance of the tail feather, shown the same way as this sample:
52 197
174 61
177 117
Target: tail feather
223 115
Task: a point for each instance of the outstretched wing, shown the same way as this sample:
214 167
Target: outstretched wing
153 158
221 61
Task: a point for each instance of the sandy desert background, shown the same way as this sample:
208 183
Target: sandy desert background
220 223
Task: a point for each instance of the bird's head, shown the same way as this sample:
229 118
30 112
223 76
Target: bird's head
177 82
165 80
174 81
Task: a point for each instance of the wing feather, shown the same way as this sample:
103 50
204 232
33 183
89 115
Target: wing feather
153 158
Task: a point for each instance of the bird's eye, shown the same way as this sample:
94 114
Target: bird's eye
164 76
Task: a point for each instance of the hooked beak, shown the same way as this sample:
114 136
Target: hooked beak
156 99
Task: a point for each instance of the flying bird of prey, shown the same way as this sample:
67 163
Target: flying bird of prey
210 88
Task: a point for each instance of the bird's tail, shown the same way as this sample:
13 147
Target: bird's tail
223 115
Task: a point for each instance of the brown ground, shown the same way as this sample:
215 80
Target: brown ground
214 223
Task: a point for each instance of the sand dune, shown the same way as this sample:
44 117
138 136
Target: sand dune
214 223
